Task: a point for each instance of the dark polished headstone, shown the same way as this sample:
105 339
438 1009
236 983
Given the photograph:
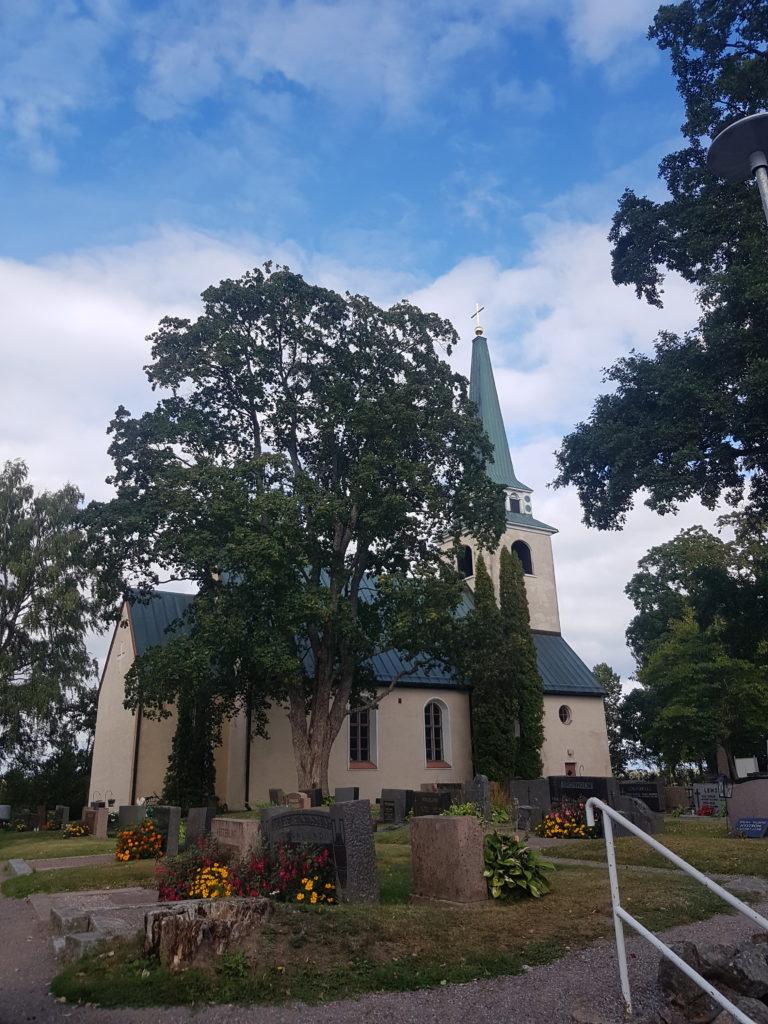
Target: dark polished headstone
395 805
430 803
315 796
354 852
130 815
650 791
531 793
345 793
285 825
199 823
479 792
167 820
276 797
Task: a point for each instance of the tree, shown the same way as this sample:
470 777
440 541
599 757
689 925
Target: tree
309 457
691 419
613 702
492 675
706 698
521 653
46 611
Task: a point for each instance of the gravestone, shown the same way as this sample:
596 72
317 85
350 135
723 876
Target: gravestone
236 835
5 814
345 793
425 804
297 801
130 815
96 820
60 816
303 825
428 787
707 794
640 814
41 818
395 805
528 817
752 828
447 858
531 793
354 852
650 791
276 797
456 790
166 820
677 796
198 823
749 799
315 796
578 788
95 804
479 792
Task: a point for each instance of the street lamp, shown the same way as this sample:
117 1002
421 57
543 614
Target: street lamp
740 151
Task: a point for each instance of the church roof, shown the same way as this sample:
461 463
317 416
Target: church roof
482 391
562 671
526 519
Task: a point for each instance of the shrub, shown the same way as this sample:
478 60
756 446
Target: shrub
75 830
467 810
140 842
568 821
500 816
512 869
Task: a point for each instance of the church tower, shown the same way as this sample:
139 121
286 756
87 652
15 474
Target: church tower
528 537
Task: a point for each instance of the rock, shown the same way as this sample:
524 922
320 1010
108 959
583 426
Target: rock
748 972
179 932
752 1007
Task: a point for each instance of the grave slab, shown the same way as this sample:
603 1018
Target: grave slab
238 835
447 858
354 852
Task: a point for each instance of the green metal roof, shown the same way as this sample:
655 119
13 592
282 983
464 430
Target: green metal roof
523 519
482 391
562 671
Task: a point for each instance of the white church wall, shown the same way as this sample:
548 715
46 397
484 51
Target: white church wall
115 735
581 741
155 741
540 587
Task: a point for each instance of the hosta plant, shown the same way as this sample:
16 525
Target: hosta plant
512 869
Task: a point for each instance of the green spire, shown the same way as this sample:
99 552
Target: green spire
482 391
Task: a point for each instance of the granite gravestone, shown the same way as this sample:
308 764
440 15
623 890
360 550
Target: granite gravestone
199 823
456 790
447 858
130 815
60 816
425 804
344 793
41 822
240 835
354 853
396 805
166 820
579 788
5 814
276 797
479 793
96 820
304 825
297 801
315 796
531 793
650 791
707 794
640 814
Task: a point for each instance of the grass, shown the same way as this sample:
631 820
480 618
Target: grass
37 845
706 847
345 951
95 876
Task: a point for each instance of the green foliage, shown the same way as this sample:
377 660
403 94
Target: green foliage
613 701
703 696
513 869
46 611
304 441
466 810
521 653
62 778
691 419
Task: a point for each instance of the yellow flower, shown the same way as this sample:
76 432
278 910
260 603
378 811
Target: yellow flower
299 897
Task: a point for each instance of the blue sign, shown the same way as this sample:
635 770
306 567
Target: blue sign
752 828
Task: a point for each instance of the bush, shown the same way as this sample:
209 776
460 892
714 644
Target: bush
467 810
139 843
512 869
500 816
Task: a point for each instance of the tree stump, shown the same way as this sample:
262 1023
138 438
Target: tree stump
179 932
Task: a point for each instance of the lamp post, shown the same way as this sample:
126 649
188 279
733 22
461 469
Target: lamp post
740 151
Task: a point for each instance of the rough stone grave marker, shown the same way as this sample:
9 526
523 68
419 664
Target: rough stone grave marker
447 858
479 792
343 793
130 815
430 803
96 820
167 820
41 822
297 801
354 852
640 814
240 835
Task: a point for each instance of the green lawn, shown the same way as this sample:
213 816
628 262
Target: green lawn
96 876
329 953
36 845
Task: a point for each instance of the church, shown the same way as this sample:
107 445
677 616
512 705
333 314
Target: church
420 733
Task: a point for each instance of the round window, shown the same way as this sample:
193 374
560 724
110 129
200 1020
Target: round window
565 714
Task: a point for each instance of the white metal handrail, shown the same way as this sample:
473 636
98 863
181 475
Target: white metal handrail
621 917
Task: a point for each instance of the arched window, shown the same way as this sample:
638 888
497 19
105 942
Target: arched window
514 503
464 560
523 552
436 733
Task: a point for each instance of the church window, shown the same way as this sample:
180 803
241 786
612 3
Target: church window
362 738
565 715
436 737
514 503
465 565
523 552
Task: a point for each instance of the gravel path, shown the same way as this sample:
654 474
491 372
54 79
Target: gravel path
582 987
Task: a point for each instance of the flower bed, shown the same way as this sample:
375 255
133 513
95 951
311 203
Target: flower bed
139 843
75 830
568 821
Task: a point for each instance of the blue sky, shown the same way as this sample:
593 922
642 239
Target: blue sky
449 152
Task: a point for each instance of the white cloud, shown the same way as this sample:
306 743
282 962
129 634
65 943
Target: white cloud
73 348
536 98
599 29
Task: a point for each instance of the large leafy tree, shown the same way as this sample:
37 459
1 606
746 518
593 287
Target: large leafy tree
46 611
613 703
691 419
305 443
